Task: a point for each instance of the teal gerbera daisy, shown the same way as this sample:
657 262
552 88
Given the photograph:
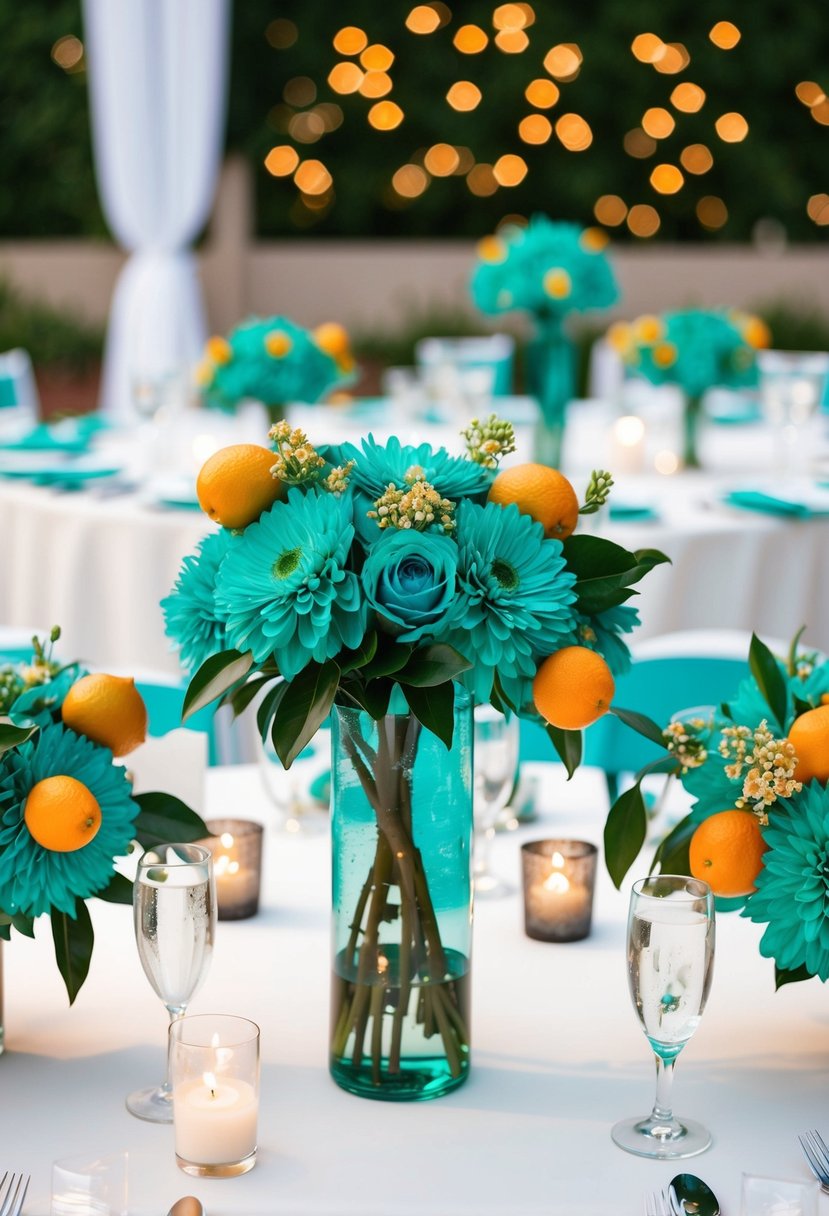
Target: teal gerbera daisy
601 633
34 880
793 886
192 618
272 360
377 466
809 683
285 589
515 596
41 704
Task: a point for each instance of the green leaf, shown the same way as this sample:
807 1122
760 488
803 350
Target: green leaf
350 660
568 744
14 736
782 976
641 723
23 924
605 570
624 833
672 854
240 698
769 678
389 658
791 663
304 707
432 665
74 940
164 819
215 676
434 708
374 696
270 704
118 890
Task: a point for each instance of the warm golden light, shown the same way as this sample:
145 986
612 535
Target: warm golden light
666 462
535 129
481 180
410 181
563 61
529 14
610 210
688 97
574 132
282 161
637 143
345 77
511 42
712 211
810 93
470 39
464 95
820 112
817 209
375 84
509 170
643 220
377 58
312 177
441 160
422 19
696 158
658 123
281 33
666 179
385 115
725 35
331 115
300 91
306 128
465 161
671 58
542 93
732 128
509 17
67 52
646 47
350 40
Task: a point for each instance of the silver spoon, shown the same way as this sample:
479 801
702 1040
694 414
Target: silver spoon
188 1205
695 1197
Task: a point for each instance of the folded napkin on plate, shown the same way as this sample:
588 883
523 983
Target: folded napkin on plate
771 504
44 438
631 510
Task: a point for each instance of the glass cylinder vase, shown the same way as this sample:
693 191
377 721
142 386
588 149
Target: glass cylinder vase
401 805
551 378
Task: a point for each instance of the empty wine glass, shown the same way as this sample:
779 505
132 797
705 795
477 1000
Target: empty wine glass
670 951
496 760
174 903
792 384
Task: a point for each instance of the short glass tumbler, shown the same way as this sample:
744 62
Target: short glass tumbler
214 1065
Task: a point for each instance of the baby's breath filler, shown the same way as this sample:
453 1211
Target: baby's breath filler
419 507
683 741
488 441
337 480
598 492
770 765
297 461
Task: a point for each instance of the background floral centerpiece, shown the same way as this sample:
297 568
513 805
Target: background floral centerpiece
67 810
385 586
695 349
275 361
758 830
550 270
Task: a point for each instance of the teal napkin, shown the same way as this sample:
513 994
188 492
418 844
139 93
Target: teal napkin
41 438
756 500
634 511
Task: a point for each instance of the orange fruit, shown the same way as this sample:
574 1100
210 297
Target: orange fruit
809 736
62 814
726 851
108 710
573 687
235 484
333 339
543 493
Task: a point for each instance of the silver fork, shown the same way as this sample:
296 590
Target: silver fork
13 1188
656 1204
816 1153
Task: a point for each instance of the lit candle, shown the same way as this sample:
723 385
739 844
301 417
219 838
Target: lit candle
628 445
558 889
215 1119
236 845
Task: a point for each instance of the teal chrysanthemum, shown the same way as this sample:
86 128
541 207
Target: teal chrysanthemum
792 894
285 588
34 880
41 704
376 466
808 684
696 349
549 269
273 360
515 595
601 632
192 618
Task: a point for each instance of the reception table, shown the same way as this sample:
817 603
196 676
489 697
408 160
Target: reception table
558 1057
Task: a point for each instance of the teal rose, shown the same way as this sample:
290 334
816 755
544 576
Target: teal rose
409 577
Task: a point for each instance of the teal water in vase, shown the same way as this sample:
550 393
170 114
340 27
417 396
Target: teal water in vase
402 909
551 378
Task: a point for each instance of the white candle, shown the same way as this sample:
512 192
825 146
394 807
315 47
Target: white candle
628 445
215 1120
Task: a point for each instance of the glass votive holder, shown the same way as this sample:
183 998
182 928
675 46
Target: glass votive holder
558 878
90 1185
236 845
778 1197
214 1070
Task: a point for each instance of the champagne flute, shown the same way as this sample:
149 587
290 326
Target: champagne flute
174 904
496 760
670 949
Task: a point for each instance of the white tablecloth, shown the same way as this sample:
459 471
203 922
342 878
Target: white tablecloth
558 1057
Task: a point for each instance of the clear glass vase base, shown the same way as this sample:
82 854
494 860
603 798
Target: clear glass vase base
416 1081
152 1104
669 1142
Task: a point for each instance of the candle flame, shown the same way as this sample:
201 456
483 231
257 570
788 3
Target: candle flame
210 1082
629 430
233 867
221 865
556 881
227 840
557 860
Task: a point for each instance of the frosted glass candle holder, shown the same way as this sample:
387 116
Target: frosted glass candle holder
214 1066
778 1197
558 878
236 845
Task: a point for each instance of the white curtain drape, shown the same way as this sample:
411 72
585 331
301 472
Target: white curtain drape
157 80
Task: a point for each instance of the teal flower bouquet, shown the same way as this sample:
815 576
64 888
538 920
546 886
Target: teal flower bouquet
386 588
67 812
274 361
550 270
758 830
697 350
